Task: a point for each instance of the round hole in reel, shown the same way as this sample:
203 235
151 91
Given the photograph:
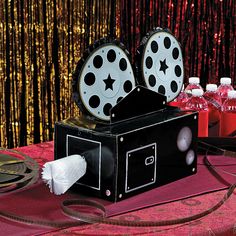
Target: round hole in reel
159 63
103 76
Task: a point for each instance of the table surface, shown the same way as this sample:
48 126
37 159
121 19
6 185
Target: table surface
220 222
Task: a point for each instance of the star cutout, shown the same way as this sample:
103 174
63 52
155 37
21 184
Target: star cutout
163 66
109 82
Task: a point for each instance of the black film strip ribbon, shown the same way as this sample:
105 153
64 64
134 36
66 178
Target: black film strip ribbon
103 220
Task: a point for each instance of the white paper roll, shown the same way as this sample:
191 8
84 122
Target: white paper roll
61 174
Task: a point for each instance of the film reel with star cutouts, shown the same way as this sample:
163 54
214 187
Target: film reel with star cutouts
103 76
159 63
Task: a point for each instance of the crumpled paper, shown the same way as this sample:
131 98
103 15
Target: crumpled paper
61 174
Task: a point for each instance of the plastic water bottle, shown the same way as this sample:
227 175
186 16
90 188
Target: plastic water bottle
194 83
198 103
225 86
228 117
180 100
214 109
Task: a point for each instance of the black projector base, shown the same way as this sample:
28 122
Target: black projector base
132 155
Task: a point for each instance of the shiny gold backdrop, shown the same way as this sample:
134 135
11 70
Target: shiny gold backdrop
40 43
42 40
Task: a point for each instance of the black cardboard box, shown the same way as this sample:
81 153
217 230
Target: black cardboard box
131 155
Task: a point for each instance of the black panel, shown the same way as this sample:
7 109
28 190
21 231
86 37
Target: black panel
134 104
136 154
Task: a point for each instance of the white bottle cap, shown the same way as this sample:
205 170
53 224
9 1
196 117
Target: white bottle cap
211 87
197 92
225 80
232 94
194 80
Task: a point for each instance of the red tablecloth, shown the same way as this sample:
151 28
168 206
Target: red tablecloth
175 200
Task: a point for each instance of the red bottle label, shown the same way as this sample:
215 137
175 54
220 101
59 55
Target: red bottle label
175 104
228 124
203 124
214 114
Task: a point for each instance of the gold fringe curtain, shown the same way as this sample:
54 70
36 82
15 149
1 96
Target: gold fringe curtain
40 44
42 40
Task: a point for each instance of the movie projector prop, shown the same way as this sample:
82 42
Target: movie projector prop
128 140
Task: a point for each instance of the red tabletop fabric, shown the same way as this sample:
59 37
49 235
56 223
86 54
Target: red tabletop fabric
38 203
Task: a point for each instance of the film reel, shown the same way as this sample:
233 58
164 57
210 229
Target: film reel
13 165
16 172
103 76
159 63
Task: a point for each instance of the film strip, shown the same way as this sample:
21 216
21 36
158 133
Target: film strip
17 170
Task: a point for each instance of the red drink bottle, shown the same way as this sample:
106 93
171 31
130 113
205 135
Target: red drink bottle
214 109
180 100
198 103
228 117
194 83
225 86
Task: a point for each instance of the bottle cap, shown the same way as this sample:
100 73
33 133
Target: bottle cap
232 94
211 87
225 80
197 92
194 80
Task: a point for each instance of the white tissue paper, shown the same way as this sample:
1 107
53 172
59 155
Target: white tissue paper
61 174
